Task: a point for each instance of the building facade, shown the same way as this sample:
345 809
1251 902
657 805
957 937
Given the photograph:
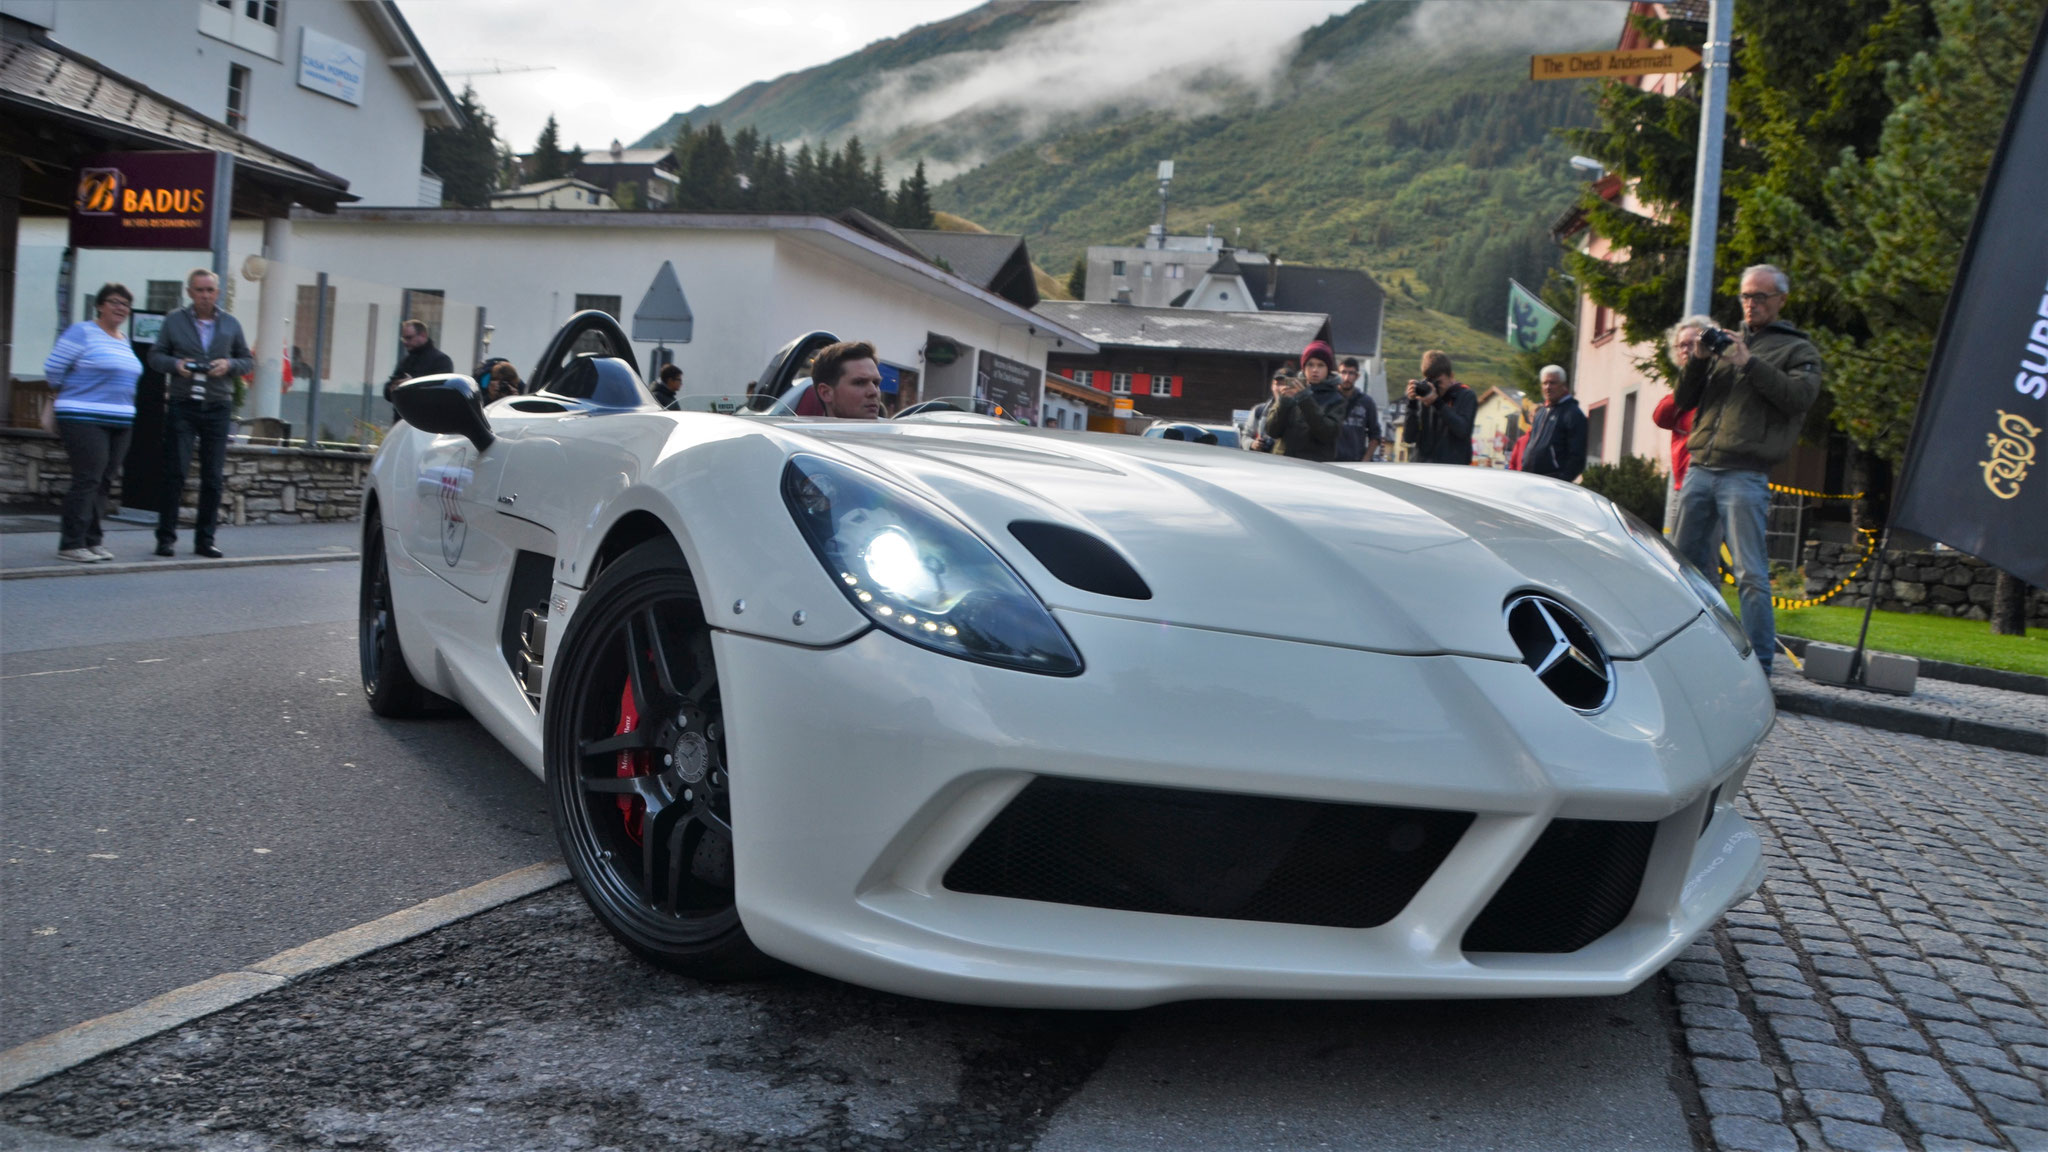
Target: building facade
340 84
1178 364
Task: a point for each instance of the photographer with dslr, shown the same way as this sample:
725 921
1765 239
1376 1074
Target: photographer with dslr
201 350
1440 413
1749 392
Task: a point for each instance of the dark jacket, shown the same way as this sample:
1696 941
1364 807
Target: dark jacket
1749 418
425 360
1557 440
1441 433
178 341
1306 422
1358 426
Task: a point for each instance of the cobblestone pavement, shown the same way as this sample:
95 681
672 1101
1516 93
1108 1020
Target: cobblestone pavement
1886 988
1940 697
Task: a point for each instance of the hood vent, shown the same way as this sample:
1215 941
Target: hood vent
1561 650
1081 560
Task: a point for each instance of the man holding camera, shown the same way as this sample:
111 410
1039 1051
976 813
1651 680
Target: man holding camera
1749 392
1440 413
1305 415
200 350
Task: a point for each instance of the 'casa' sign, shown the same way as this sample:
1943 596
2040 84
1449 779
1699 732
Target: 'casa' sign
144 200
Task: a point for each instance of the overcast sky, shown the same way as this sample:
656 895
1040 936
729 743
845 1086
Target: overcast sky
621 67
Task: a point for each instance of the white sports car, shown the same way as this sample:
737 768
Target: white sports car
971 711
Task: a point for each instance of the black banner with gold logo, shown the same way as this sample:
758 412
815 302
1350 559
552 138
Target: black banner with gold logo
1976 472
144 200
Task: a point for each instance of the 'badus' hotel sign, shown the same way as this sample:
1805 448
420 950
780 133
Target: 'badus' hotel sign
144 200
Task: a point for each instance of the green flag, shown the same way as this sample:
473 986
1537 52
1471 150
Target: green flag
1529 320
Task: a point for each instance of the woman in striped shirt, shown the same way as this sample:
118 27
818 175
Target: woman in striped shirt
93 372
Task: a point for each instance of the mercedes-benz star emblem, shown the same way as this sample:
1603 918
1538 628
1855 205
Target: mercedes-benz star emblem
1558 647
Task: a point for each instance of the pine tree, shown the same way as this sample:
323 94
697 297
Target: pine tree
548 160
1903 213
912 206
1077 280
807 180
465 158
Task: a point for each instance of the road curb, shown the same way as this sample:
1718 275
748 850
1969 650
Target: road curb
1891 718
1970 674
117 567
46 1056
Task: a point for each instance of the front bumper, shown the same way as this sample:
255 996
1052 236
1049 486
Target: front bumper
861 773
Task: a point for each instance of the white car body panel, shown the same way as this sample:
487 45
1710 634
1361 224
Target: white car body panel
1326 633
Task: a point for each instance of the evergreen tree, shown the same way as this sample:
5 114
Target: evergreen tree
465 158
1077 280
1904 211
548 160
912 207
1808 84
807 180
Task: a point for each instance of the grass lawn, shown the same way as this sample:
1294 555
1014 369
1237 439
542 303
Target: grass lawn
1928 637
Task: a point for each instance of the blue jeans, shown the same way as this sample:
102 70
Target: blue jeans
1731 504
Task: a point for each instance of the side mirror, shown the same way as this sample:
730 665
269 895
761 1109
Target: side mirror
446 405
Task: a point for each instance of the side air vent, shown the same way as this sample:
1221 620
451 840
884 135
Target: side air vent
1576 885
1081 560
1561 650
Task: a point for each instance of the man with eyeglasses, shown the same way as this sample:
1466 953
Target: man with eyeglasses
1749 397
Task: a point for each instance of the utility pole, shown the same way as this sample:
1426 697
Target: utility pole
1706 192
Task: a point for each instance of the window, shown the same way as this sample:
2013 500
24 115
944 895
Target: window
1162 385
1084 378
1175 271
1148 269
1596 433
1120 384
1628 425
609 305
263 12
238 97
1116 267
424 305
163 296
306 330
1603 321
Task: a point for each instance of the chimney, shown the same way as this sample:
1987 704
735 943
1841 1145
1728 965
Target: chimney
618 153
1272 278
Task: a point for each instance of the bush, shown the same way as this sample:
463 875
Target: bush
1634 482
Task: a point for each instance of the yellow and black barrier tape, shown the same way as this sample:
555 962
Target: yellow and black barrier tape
1787 603
1791 491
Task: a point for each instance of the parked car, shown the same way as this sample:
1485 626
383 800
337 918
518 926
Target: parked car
1224 435
967 710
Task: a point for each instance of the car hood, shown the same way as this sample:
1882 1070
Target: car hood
1403 558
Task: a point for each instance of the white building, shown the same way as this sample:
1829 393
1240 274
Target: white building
753 282
564 192
341 84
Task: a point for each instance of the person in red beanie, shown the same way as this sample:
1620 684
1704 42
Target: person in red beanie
1303 419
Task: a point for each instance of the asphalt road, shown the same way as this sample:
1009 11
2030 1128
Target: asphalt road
189 782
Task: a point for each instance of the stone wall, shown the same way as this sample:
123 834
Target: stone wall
264 485
1940 583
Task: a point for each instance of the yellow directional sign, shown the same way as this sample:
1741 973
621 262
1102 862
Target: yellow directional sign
1628 62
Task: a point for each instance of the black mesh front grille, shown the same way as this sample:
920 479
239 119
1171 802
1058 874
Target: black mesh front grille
1574 886
1214 854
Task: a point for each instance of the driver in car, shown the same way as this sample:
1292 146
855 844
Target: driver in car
846 382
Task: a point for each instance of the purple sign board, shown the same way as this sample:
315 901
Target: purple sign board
145 200
1011 385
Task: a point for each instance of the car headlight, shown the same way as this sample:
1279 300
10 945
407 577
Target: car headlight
1669 558
918 573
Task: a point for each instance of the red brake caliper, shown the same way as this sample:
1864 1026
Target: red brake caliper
632 762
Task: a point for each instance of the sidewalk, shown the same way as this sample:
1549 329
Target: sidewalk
1943 709
28 546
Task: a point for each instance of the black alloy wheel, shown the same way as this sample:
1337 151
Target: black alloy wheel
387 682
636 769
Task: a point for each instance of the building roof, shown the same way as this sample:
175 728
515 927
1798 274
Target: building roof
407 58
543 187
992 260
1226 265
40 77
1192 330
1351 299
836 236
627 156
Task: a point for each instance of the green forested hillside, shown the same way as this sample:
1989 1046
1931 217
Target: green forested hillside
1429 161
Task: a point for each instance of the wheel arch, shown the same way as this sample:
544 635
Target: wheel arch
629 531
